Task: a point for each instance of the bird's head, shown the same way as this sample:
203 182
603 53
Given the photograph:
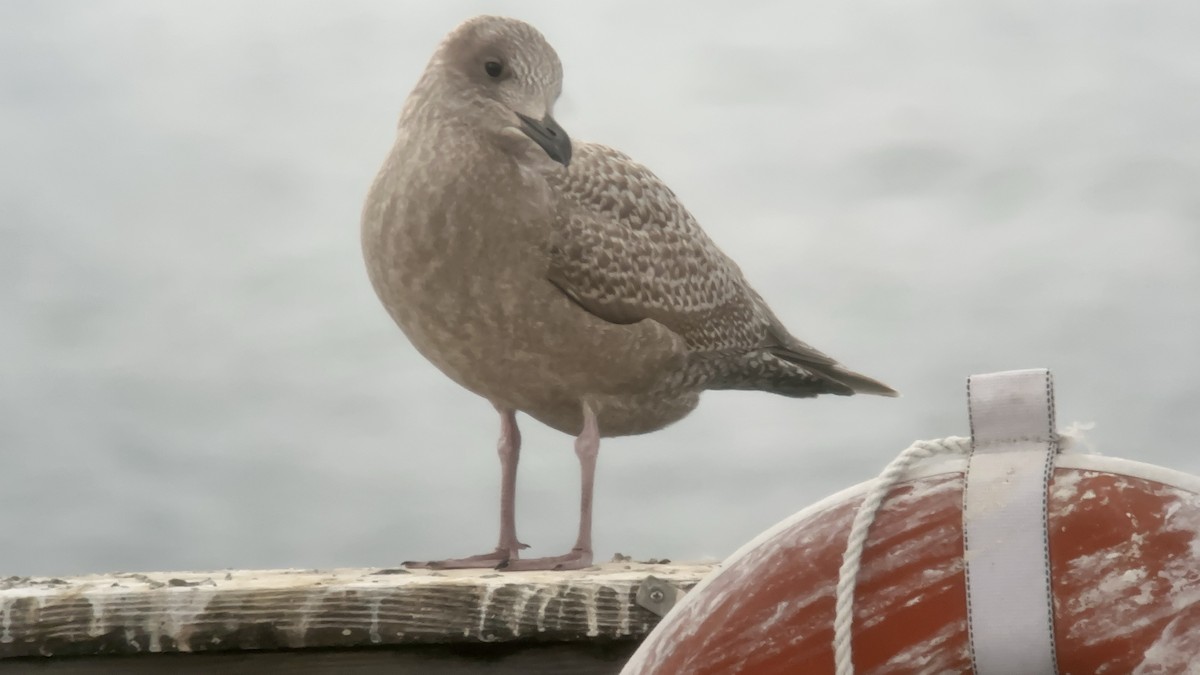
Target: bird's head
501 76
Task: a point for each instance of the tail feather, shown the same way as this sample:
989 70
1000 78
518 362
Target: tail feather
775 373
861 384
836 372
787 347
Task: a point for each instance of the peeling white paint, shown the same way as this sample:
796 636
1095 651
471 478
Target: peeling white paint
6 604
1120 593
562 605
928 656
183 606
623 609
541 614
589 606
1175 650
373 605
163 611
485 608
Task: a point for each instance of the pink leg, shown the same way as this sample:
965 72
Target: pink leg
509 449
587 446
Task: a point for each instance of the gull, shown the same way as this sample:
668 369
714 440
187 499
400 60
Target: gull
558 278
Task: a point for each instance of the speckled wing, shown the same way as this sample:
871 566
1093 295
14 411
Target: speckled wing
626 249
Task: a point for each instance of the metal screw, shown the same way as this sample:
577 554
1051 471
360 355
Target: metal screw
657 595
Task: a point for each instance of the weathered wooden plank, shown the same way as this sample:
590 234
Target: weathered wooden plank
296 609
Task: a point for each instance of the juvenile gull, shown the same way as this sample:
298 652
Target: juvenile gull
556 278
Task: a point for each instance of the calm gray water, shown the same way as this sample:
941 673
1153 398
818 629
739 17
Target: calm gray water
195 373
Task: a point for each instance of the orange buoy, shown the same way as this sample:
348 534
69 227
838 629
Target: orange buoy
1123 569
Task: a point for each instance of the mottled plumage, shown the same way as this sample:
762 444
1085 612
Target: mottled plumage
559 279
626 250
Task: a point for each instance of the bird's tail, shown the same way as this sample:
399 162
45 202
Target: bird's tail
773 371
816 363
811 361
857 382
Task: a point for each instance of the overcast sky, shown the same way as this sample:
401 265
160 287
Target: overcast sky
195 373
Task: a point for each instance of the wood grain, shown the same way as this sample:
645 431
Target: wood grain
339 609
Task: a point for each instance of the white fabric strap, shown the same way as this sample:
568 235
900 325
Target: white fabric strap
1010 608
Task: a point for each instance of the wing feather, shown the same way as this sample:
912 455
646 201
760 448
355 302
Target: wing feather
626 249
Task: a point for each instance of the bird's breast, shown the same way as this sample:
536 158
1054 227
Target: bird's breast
460 263
458 259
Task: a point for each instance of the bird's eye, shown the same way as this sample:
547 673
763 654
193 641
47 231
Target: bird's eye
493 68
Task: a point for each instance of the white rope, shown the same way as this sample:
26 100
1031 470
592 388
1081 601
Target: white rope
863 518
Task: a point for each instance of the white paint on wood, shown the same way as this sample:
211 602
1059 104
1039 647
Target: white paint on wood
192 611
